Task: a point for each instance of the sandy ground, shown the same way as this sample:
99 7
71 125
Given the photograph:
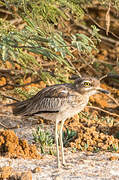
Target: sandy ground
80 165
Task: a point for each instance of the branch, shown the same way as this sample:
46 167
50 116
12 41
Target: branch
99 109
9 97
114 35
113 99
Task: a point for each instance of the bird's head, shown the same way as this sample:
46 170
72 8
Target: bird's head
89 85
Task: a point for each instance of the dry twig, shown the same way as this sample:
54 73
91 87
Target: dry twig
107 18
99 109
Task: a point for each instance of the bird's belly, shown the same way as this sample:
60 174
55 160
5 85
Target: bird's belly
72 111
68 112
50 116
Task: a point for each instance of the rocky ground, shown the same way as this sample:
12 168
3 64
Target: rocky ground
80 165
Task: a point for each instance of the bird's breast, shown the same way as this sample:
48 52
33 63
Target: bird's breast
67 108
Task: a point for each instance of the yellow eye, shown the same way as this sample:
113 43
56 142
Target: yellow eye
86 83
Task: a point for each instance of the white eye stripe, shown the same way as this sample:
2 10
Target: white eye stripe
64 91
86 82
88 88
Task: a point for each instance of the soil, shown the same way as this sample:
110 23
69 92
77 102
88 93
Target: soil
22 159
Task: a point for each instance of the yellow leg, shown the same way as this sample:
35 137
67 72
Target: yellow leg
61 142
57 147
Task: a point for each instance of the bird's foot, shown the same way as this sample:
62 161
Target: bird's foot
67 165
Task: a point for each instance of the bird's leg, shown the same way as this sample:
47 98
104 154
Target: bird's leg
61 142
57 147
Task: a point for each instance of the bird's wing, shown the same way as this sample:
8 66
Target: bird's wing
49 99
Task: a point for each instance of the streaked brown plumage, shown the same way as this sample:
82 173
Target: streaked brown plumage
59 102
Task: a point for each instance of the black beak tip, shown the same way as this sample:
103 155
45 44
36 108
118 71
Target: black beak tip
104 91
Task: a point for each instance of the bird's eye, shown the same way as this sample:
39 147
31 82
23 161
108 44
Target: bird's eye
87 83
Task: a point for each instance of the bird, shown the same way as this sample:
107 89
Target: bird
59 102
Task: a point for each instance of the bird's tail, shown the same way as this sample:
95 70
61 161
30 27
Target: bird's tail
18 108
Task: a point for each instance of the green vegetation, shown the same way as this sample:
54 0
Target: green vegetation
68 136
44 139
39 36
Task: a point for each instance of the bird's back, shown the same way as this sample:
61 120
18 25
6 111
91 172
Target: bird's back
51 99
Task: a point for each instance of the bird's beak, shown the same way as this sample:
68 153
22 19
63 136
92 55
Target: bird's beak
103 91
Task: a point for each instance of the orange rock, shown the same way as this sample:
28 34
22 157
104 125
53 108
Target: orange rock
26 175
113 158
2 81
5 172
8 65
36 170
12 146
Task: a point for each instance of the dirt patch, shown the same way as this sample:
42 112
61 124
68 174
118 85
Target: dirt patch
13 147
94 133
7 172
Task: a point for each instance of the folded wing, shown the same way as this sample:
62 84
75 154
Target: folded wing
50 99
